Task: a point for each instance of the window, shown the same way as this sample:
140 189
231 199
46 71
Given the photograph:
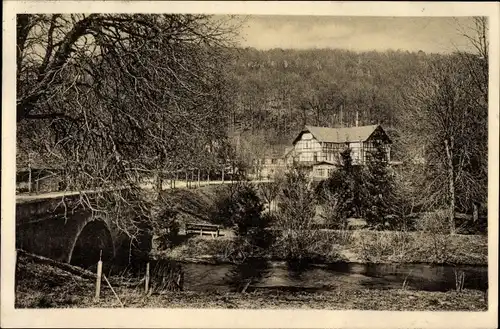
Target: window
321 172
273 161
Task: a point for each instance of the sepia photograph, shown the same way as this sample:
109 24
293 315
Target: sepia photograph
251 161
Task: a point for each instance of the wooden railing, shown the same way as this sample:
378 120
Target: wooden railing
197 228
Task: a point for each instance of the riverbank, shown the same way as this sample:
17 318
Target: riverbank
44 286
348 246
383 300
324 246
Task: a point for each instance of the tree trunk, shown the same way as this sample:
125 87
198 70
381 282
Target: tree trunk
451 184
29 176
475 213
159 182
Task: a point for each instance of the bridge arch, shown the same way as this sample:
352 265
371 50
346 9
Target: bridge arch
45 228
92 238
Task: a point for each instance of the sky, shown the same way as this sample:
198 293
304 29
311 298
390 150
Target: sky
429 34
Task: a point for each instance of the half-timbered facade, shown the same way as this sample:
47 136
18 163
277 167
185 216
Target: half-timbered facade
320 147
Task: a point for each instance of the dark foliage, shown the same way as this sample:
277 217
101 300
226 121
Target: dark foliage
343 192
378 189
167 227
240 207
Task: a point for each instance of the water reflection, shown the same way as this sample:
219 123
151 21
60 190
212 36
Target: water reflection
258 274
242 277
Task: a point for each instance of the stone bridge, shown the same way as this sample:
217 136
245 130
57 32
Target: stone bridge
47 225
44 226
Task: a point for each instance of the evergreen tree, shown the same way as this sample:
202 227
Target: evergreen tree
378 192
166 227
341 192
240 208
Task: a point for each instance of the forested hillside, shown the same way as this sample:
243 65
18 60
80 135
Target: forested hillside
278 91
433 106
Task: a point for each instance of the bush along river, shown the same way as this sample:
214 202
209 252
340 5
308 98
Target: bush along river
294 276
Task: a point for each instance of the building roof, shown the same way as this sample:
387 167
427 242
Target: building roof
340 135
288 150
324 162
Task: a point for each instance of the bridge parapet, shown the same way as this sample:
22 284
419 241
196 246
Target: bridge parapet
61 228
36 209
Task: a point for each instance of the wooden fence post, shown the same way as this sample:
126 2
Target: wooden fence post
98 281
29 173
147 277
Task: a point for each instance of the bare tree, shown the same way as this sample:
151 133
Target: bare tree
444 121
295 217
114 99
270 191
450 107
477 60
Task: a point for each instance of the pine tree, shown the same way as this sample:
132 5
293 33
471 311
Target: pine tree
341 192
378 193
241 208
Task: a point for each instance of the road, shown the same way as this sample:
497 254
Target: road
149 186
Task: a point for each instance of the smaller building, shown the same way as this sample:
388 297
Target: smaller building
269 167
322 170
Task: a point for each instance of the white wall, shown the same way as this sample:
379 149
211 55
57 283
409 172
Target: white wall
306 147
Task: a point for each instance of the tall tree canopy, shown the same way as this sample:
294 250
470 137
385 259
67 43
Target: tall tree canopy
113 98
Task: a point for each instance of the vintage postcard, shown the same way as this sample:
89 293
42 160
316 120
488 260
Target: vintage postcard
250 164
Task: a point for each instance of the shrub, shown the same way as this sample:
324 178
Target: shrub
388 246
166 228
307 245
434 226
239 207
298 238
260 236
296 202
434 222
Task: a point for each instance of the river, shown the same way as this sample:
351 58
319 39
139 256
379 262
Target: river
289 276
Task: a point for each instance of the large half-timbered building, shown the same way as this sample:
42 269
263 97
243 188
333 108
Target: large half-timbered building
320 147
